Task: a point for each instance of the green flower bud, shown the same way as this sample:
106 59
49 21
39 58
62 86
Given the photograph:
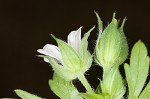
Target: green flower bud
69 59
111 46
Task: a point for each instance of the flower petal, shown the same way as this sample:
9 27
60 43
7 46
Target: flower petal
52 51
74 39
46 60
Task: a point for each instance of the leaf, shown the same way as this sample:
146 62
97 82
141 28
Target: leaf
26 95
137 71
145 93
63 89
128 76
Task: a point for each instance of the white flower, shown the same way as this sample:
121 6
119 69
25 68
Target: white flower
69 59
74 40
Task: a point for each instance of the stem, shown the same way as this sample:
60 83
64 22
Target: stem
85 83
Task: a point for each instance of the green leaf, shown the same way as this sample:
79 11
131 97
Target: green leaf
145 93
26 95
128 77
63 89
137 71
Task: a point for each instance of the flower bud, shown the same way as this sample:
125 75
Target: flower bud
111 46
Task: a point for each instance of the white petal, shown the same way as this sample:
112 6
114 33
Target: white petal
74 39
52 51
46 60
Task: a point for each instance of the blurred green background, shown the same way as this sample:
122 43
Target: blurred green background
26 25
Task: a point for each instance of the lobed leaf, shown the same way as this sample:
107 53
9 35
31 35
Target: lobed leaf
137 71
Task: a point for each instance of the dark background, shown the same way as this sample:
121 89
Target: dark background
25 26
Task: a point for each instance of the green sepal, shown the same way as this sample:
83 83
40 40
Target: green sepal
25 95
60 70
137 71
63 89
100 23
84 53
110 43
98 89
124 48
69 56
100 30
